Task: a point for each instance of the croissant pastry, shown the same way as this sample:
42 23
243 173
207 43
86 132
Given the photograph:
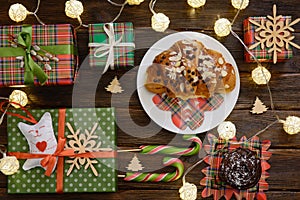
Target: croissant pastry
189 70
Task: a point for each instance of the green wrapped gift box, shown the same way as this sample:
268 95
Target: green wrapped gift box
95 128
111 44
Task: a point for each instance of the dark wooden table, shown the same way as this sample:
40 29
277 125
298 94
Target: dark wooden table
284 173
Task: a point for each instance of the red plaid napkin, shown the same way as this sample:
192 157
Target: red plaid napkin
211 182
187 113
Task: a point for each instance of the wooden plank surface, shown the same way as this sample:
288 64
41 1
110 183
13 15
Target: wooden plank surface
135 128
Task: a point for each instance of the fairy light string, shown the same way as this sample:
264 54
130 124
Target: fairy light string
36 10
122 5
256 60
260 65
74 9
17 12
293 129
17 99
159 21
121 9
151 6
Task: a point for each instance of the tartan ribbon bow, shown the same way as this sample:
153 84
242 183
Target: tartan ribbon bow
31 68
103 49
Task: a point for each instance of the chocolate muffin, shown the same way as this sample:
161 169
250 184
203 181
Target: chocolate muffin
240 168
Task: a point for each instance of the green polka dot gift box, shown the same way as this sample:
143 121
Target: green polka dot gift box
63 150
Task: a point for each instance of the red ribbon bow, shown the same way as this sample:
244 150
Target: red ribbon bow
49 161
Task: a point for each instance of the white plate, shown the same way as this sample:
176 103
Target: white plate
163 118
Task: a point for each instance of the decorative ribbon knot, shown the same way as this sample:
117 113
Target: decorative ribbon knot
103 49
31 68
49 161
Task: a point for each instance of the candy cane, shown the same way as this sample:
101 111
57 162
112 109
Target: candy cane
171 150
155 177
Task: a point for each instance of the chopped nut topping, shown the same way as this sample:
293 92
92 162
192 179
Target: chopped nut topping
186 42
224 73
221 61
177 64
188 48
176 57
181 87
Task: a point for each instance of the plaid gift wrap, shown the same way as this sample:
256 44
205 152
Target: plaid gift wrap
212 183
58 40
263 55
187 113
81 179
111 44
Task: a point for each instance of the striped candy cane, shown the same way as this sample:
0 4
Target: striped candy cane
171 150
155 177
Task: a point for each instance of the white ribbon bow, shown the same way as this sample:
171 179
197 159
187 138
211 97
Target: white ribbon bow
103 49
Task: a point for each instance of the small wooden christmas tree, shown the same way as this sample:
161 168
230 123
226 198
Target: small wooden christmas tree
114 86
135 164
258 107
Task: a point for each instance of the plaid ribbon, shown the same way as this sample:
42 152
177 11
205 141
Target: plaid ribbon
262 54
62 72
123 55
187 113
213 185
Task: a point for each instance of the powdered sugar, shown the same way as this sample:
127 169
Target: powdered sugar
240 168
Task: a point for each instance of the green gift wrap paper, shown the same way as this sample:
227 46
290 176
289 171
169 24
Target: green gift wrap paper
79 180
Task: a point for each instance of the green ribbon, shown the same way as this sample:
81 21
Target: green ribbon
31 68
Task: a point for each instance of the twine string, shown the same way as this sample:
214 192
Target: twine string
120 11
151 6
36 10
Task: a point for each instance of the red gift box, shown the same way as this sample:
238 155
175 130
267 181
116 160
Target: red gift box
262 54
54 41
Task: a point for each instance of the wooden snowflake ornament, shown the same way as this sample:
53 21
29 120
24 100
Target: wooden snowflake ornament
274 34
83 143
258 107
114 86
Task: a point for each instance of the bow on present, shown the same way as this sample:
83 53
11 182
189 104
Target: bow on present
103 49
31 68
23 45
48 160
